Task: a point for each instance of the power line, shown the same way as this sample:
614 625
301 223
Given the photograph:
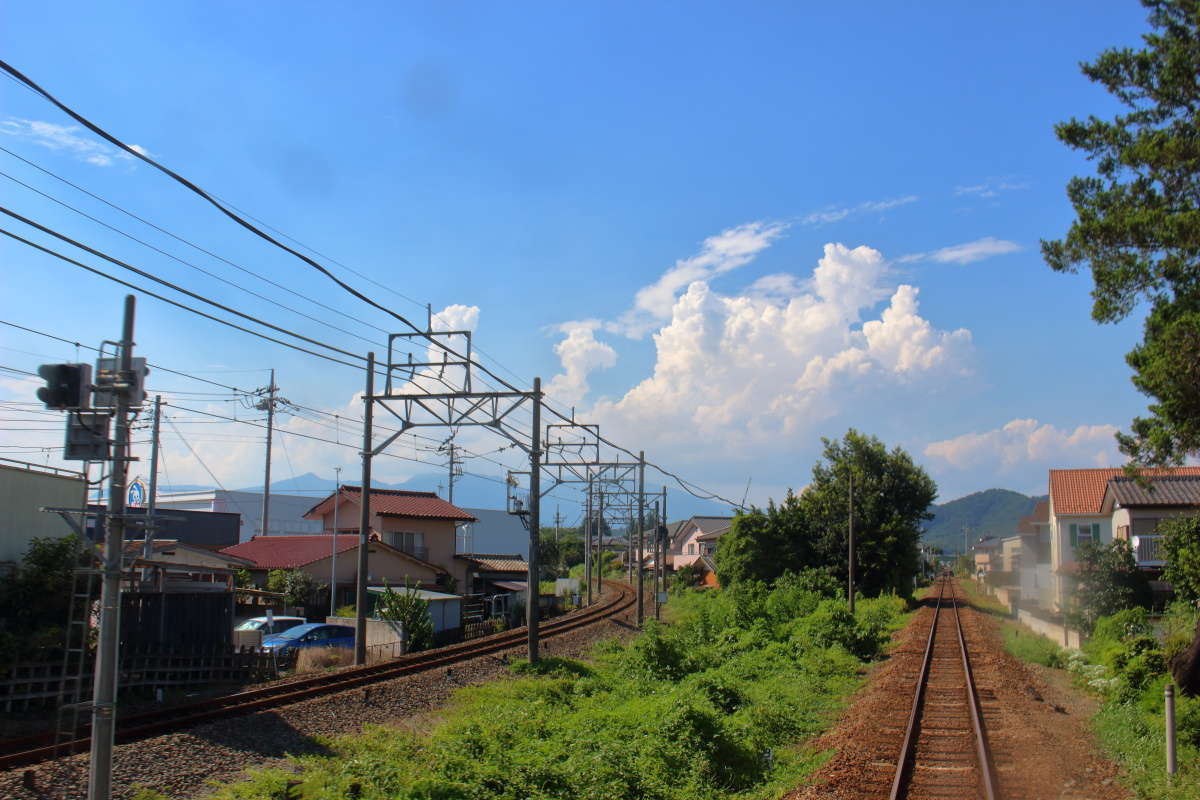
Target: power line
187 263
687 486
189 243
175 303
163 282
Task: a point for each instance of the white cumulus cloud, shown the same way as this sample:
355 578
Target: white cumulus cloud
1025 442
718 254
750 367
580 354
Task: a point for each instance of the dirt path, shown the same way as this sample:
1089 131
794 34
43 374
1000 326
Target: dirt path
1038 732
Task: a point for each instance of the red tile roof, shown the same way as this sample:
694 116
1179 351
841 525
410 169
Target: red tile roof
1040 515
288 552
397 503
1081 491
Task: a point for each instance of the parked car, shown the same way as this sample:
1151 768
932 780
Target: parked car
272 625
314 634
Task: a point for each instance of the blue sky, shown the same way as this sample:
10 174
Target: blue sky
721 230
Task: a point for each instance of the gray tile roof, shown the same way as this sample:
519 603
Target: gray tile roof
1165 490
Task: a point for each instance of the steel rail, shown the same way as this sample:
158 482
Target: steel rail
986 771
34 749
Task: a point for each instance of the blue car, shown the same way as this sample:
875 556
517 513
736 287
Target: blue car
312 634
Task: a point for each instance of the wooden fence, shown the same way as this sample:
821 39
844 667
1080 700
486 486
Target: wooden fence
26 686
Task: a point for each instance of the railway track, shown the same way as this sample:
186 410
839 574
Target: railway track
35 749
945 752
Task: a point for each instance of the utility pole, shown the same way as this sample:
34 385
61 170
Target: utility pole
641 540
587 542
152 501
364 520
664 545
535 502
557 520
598 561
104 692
269 405
454 473
337 501
850 506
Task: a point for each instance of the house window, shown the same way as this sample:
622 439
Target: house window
1081 534
408 542
691 549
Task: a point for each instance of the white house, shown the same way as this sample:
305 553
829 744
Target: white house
287 510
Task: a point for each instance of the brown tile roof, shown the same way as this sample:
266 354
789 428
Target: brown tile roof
489 562
397 503
290 552
1081 491
1170 490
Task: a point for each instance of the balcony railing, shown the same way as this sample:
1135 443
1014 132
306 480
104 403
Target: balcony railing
1148 550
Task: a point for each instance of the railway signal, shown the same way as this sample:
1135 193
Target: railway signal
68 386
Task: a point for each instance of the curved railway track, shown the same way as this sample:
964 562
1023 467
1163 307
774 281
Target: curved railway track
35 749
945 752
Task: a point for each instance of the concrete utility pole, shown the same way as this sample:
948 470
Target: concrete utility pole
850 506
337 501
557 521
104 692
587 543
535 502
641 540
454 463
364 520
598 561
664 545
269 404
152 500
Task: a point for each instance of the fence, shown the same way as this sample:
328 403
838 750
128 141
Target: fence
36 684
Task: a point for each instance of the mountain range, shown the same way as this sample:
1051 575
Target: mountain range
992 512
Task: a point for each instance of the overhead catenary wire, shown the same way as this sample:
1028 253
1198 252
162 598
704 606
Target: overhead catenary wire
189 243
688 486
189 264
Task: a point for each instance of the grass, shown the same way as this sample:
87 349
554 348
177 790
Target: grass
716 705
1121 667
1033 647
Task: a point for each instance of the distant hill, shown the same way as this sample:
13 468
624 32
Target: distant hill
993 512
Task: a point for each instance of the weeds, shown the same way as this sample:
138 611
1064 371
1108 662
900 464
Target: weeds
715 704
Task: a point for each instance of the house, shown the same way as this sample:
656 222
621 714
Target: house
1036 579
489 573
315 556
1077 515
174 566
986 552
24 489
706 572
418 524
1137 509
695 538
287 510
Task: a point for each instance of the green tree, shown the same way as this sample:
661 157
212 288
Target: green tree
408 609
891 495
1138 221
762 545
1181 546
1109 581
298 587
34 597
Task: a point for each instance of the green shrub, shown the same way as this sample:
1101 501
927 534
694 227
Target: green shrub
1033 647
